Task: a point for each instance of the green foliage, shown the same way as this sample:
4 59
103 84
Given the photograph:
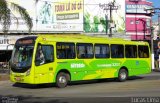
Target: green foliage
24 14
104 23
96 23
87 25
5 15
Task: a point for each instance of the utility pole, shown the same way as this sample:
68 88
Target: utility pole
109 7
106 17
151 12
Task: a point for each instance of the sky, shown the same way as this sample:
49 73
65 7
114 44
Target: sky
156 4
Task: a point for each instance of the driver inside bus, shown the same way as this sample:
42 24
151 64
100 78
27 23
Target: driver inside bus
23 60
40 55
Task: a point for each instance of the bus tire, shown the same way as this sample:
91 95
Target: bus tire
122 75
62 80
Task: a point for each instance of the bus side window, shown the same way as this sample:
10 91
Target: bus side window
102 51
65 50
48 53
143 51
117 51
39 55
84 50
130 51
44 54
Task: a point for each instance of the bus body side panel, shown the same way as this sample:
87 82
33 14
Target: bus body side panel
90 69
137 66
106 68
77 68
102 68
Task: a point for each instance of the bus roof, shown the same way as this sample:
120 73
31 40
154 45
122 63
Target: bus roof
85 39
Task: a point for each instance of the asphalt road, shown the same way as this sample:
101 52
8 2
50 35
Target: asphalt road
144 88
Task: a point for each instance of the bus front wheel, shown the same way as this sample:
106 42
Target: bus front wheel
62 80
123 75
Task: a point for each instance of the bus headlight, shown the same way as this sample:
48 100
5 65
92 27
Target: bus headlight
28 72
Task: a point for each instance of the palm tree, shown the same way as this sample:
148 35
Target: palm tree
6 13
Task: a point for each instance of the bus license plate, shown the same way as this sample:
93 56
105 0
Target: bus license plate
18 79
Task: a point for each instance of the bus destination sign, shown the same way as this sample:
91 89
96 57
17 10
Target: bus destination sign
25 41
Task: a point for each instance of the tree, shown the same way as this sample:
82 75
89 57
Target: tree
6 13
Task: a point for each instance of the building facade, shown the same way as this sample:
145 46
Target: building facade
6 46
138 21
79 16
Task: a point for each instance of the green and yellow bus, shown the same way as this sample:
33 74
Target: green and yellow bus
61 59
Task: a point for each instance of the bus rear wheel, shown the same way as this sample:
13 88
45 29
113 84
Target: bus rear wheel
62 80
123 75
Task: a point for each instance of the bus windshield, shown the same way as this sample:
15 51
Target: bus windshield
22 58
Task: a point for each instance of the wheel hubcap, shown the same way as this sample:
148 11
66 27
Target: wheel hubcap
62 79
123 75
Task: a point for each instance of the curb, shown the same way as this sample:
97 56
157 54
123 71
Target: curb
156 70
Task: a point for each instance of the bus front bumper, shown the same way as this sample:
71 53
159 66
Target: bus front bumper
21 78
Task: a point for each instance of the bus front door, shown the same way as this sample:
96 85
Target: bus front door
44 63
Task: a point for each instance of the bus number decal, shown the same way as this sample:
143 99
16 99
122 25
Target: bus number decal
115 64
109 65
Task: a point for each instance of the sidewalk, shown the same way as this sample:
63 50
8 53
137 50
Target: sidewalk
156 70
4 76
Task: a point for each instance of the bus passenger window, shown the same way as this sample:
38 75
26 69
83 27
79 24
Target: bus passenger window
117 51
143 51
65 50
84 50
102 51
130 51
